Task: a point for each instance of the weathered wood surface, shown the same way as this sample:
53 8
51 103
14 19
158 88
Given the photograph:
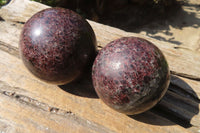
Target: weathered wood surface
182 28
30 105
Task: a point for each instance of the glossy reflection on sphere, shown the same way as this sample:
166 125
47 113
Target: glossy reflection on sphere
57 45
130 75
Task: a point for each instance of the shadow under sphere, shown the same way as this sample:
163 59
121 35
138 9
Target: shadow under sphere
178 106
81 87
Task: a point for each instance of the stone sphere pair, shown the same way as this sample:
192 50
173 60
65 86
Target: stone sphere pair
129 74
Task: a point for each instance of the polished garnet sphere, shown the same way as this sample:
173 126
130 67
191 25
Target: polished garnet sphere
130 75
57 44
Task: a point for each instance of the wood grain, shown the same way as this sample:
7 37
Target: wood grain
176 55
26 93
30 105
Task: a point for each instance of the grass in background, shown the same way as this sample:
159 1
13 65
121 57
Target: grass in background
3 2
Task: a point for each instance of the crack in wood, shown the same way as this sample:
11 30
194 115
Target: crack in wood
9 49
185 75
35 103
179 106
178 109
19 22
54 110
22 10
11 92
15 52
182 92
183 88
1 19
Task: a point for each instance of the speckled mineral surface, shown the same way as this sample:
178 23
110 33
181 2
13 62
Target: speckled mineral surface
130 75
57 44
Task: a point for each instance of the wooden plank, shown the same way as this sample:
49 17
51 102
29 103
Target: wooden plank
18 114
23 94
77 105
182 27
177 56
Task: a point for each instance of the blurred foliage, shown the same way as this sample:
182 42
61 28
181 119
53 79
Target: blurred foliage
89 8
78 6
48 2
55 2
117 13
99 3
3 2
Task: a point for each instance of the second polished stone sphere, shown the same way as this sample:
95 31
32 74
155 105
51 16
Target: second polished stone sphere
57 45
130 75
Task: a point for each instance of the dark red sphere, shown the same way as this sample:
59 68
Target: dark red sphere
130 75
57 44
